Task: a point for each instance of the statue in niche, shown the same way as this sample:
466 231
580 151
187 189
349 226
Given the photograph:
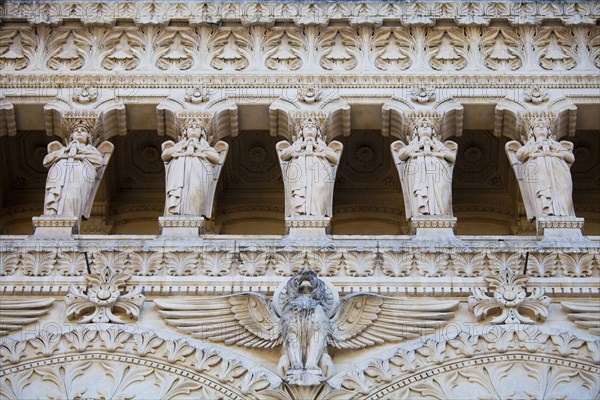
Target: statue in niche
307 318
75 173
425 167
192 172
309 166
542 167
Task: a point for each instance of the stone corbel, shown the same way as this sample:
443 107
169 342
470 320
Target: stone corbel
219 115
8 125
400 119
332 112
398 113
516 120
105 118
511 117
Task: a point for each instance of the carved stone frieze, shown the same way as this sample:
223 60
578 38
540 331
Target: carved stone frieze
479 363
110 361
250 48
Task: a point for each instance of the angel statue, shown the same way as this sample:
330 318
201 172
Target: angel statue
192 172
308 166
425 167
542 167
307 318
75 173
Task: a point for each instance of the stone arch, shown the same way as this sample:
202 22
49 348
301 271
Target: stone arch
493 362
114 361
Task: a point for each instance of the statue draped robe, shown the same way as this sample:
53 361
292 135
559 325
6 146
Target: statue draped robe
309 176
545 177
188 178
71 179
426 178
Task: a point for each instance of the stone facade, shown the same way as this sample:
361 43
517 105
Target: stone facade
299 200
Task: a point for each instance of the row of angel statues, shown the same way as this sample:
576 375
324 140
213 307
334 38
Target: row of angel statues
309 165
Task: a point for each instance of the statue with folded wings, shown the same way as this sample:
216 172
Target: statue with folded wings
307 318
75 173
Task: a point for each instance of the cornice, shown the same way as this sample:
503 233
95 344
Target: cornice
248 13
11 83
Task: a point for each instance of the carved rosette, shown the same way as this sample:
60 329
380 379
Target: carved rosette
510 297
535 95
104 294
85 95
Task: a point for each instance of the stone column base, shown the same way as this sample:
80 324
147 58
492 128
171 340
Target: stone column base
55 226
568 227
181 225
432 226
307 226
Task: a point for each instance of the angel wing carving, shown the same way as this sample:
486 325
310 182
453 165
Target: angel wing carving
511 149
400 166
306 319
16 313
106 149
584 315
222 148
365 320
245 319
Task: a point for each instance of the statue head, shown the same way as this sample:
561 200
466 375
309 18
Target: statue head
306 282
424 129
539 131
194 130
80 133
310 130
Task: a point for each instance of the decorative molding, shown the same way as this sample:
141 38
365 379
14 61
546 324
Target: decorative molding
147 13
124 358
479 362
256 257
349 48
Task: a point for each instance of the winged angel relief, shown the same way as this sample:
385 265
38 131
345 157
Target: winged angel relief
307 318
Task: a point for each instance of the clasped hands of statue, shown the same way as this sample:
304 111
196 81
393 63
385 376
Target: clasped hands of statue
71 151
307 146
191 147
544 149
426 147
